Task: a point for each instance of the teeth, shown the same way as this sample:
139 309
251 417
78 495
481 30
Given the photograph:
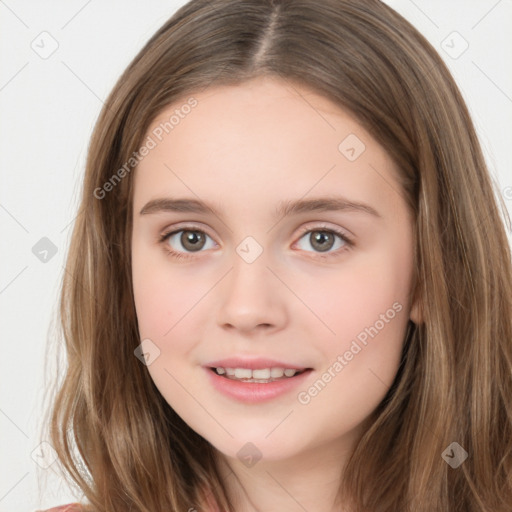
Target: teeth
243 373
260 374
276 373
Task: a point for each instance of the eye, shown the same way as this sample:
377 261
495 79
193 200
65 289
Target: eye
323 239
190 239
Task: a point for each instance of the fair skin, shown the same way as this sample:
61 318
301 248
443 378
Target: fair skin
247 148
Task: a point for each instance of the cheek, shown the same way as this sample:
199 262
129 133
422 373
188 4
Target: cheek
165 308
366 305
151 301
161 295
360 294
369 316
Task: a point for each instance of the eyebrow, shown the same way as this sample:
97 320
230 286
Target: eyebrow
284 208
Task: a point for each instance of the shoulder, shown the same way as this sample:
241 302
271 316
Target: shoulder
70 507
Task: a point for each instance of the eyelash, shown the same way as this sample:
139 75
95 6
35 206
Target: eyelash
324 229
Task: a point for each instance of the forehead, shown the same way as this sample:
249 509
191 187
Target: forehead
265 138
261 114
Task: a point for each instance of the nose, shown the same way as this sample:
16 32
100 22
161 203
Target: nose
251 298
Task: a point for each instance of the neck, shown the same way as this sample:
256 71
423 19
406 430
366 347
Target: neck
308 481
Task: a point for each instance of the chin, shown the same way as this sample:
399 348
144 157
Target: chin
258 446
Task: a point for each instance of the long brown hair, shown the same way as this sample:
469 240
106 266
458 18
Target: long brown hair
115 435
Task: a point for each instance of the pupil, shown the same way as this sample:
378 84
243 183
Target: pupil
192 240
319 239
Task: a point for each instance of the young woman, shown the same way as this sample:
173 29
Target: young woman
289 286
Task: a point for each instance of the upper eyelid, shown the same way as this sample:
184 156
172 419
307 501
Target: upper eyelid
186 227
311 225
342 233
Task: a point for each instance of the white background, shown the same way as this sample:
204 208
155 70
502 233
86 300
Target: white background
48 109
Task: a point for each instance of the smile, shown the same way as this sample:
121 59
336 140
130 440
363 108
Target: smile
257 385
258 375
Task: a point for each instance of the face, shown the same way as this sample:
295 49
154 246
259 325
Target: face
324 286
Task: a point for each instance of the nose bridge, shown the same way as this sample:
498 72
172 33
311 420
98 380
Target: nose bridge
250 295
250 275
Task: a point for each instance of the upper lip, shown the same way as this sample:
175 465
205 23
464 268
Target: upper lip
252 363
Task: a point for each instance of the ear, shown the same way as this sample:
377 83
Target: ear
416 314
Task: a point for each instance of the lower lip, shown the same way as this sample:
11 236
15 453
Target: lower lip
255 392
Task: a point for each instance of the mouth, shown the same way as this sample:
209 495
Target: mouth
258 385
260 375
